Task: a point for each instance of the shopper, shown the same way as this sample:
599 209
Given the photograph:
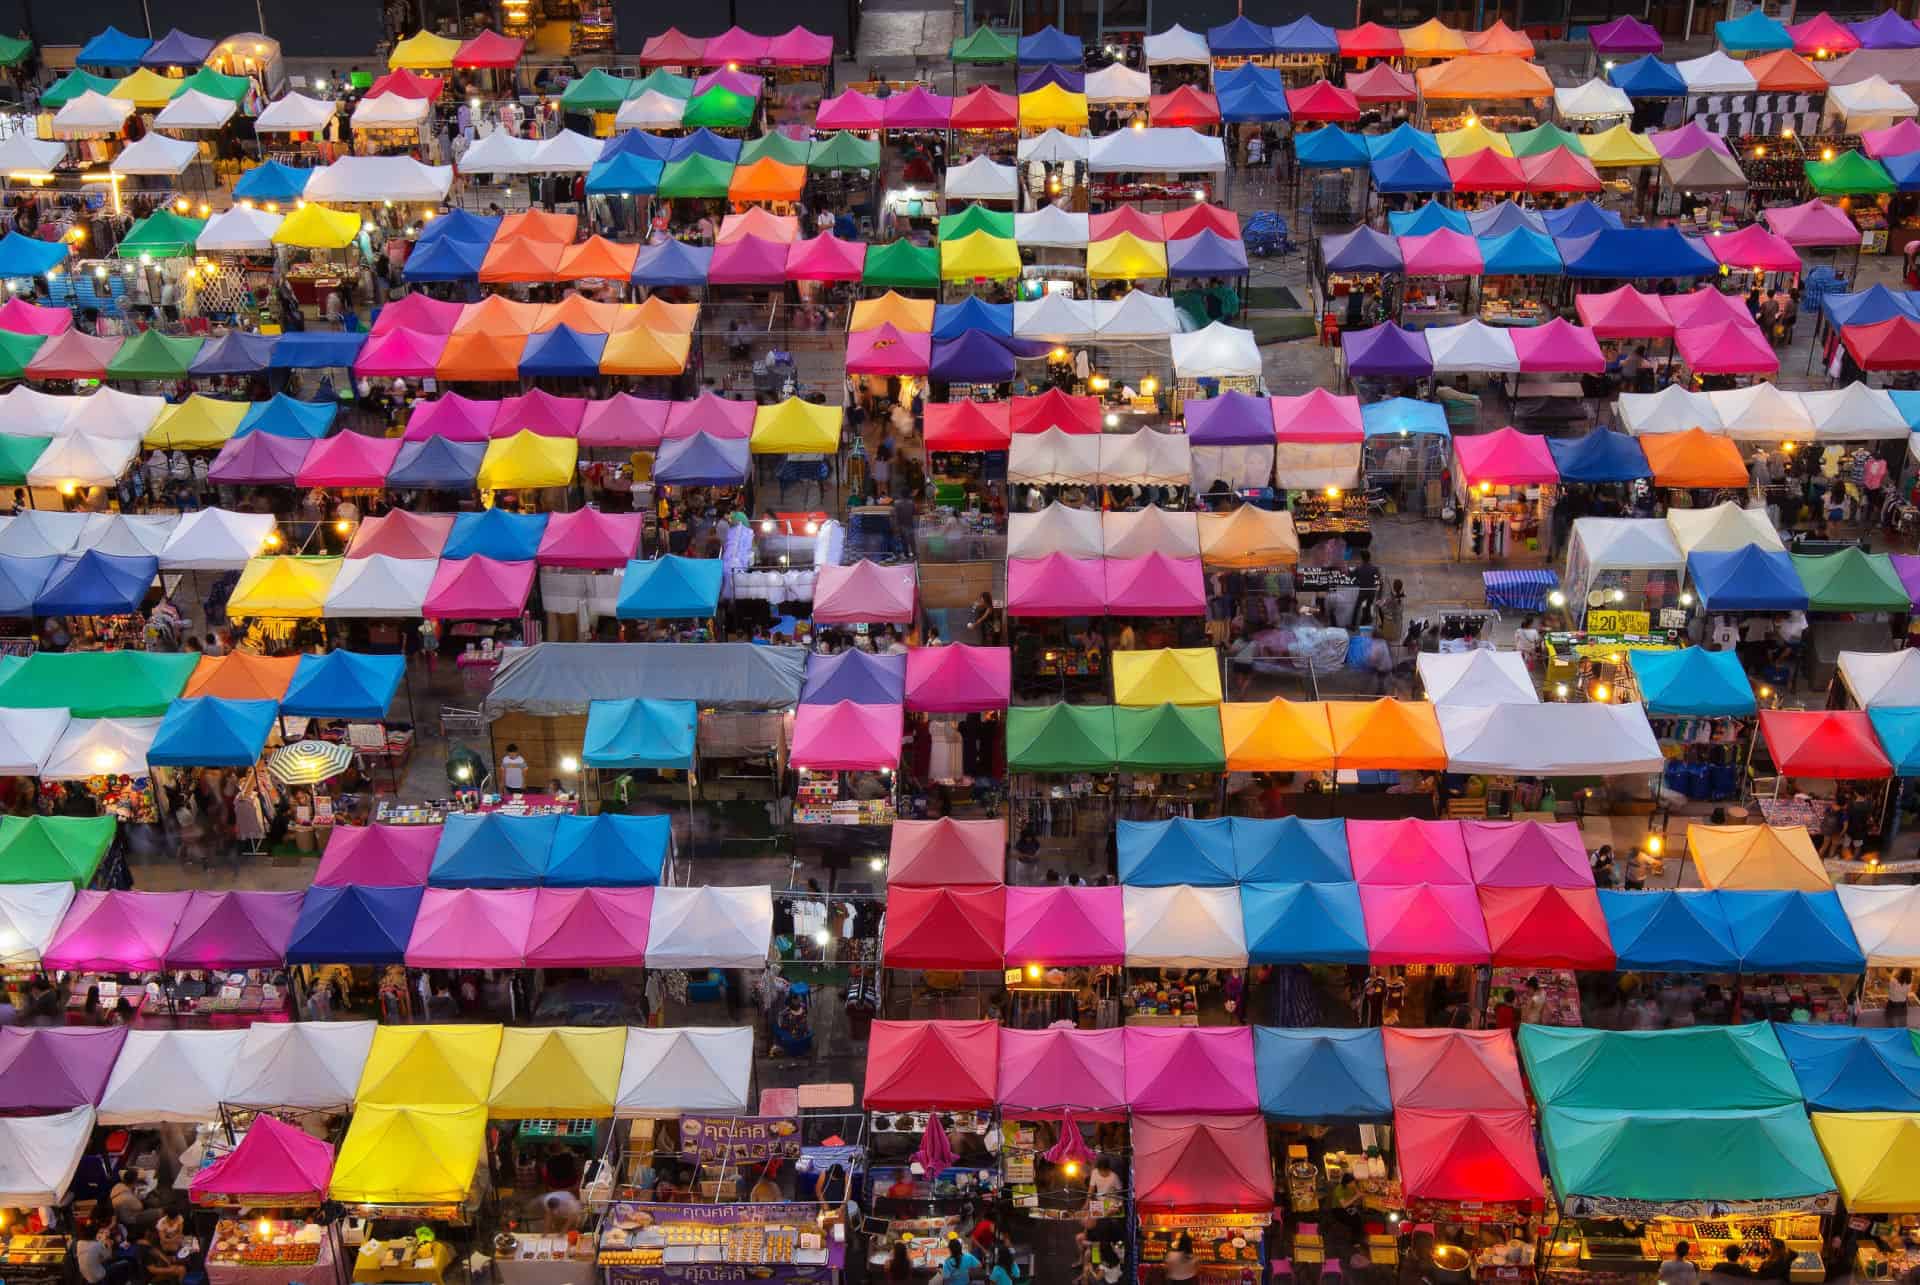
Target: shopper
1677 1270
1899 991
958 1266
1179 1262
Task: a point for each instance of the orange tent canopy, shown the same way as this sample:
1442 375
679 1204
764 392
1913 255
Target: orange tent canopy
588 316
915 316
1693 458
538 225
1786 72
1277 736
1500 39
1492 77
764 224
655 313
636 351
767 180
481 356
522 259
1386 735
497 315
242 676
597 257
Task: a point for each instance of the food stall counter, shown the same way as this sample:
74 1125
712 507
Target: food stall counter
788 1240
270 1252
553 1259
401 1262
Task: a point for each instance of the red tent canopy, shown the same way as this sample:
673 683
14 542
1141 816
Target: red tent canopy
1054 409
985 108
1625 313
1451 1070
945 927
1184 106
1546 927
1836 744
1561 170
1126 218
1468 1156
1199 1163
1192 220
946 851
1323 100
968 426
936 1066
1893 344
1486 171
489 49
1370 40
408 84
1381 83
672 49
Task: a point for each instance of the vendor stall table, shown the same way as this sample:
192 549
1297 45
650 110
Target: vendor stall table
375 1266
239 1258
545 1260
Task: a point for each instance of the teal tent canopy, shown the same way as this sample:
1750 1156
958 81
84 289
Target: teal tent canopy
1693 681
640 733
609 850
670 588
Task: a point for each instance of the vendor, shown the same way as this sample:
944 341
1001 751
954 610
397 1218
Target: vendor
793 1028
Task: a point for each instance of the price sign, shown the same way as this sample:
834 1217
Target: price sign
1619 622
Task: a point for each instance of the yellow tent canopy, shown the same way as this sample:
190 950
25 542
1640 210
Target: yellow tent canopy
197 424
569 1072
528 460
1759 858
638 351
437 1066
1277 736
424 52
315 227
1051 107
1127 257
1875 1158
1248 537
983 255
409 1155
655 313
795 427
1472 138
1486 78
283 586
145 88
915 316
1433 39
1618 148
1166 676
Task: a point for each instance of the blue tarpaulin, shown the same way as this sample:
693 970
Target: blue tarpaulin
1411 170
857 676
1401 416
670 587
1899 733
113 48
496 533
447 259
1241 38
21 580
1648 77
1791 932
1844 1068
317 350
1251 93
241 352
1330 148
1290 849
951 320
96 584
1599 456
1050 44
1303 923
274 181
1312 1073
1519 252
436 465
354 925
702 460
1429 218
1746 579
1179 850
704 142
344 684
609 850
1634 253
492 850
672 263
1669 931
1582 218
1361 250
1693 681
562 351
639 733
1304 36
209 731
29 256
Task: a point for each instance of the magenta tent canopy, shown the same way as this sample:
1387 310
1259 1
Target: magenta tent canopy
1318 416
1233 418
384 856
259 459
1625 313
1558 346
845 737
1204 1070
48 1069
589 927
421 313
735 45
478 588
959 679
1445 253
865 591
1754 247
1897 139
826 258
1527 854
116 932
1706 307
887 350
1506 457
1673 144
947 851
712 414
1408 851
350 459
749 261
1625 35
399 533
472 928
1424 923
801 48
1065 927
400 353
456 418
1814 222
274 1159
247 929
1056 585
1155 585
589 538
1729 348
918 108
623 420
850 110
539 412
1063 1069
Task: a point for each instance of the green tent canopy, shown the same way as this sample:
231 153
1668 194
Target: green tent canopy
152 355
1170 738
696 176
596 92
1851 580
976 218
215 85
985 45
1544 138
17 454
1061 738
662 81
13 49
16 351
902 265
1848 174
781 147
163 235
1703 1067
843 151
53 849
719 108
99 684
74 84
1672 1155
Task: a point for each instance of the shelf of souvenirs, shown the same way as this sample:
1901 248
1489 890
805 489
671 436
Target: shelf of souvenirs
1900 1260
1317 513
1710 1237
820 800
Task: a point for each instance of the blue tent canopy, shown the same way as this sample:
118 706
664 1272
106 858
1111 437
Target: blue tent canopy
29 256
436 465
1907 402
1520 252
496 533
1179 850
1633 253
1050 44
640 733
978 357
177 49
1401 138
1582 218
447 259
1251 92
562 351
702 460
1305 36
1330 148
1411 170
1206 254
1904 170
951 320
1899 733
672 263
1401 416
21 580
609 850
96 584
670 587
210 731
1312 1073
1870 307
1361 250
1746 579
1752 33
1693 681
625 173
317 350
1303 923
638 142
113 48
1290 849
1648 77
1429 218
1241 37
241 352
492 850
1844 1068
460 225
1071 79
857 676
1791 932
354 925
704 142
1504 217
1599 456
273 181
1669 931
344 684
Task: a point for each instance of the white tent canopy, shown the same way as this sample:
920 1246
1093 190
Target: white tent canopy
170 1077
1852 413
1885 919
42 533
391 111
1051 226
157 154
1055 317
568 152
195 110
380 587
1220 352
710 927
1558 739
1146 458
651 110
28 412
1671 410
1724 528
294 113
27 738
1873 97
1598 545
108 412
129 535
1135 533
92 113
311 1066
1053 458
216 540
39 1155
238 229
30 914
1716 73
1592 100
1471 346
1054 147
675 1069
1157 151
1118 83
498 153
1135 315
1184 927
1882 678
1055 529
83 459
1249 536
25 154
101 747
1240 467
1177 45
1313 466
1761 413
379 178
981 179
1477 677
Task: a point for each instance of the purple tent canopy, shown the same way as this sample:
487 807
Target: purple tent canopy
1886 30
1071 79
177 49
980 357
1626 35
1231 419
1907 565
857 676
56 1068
1207 254
1387 350
1361 250
261 459
1672 144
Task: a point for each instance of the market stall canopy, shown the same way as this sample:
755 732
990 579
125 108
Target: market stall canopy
1595 99
932 1065
39 1156
1693 458
1846 1069
1489 78
571 1069
1836 744
1202 1070
170 1077
1691 680
30 915
1387 735
1181 926
1588 739
411 1154
1477 677
1599 456
365 179
1508 457
1883 921
1408 852
56 1069
1201 1163
1851 580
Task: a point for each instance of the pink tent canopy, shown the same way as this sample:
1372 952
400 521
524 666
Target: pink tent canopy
1558 346
931 1065
731 79
23 318
1155 585
625 421
826 258
399 534
456 418
350 459
1506 457
116 932
1445 253
589 927
479 588
1063 1069
850 110
1685 141
1204 1069
420 313
947 851
886 350
716 416
1625 313
736 46
1754 247
390 856
1526 854
1814 222
247 929
275 1164
1318 416
1381 83
1705 307
918 108
1202 1163
1408 851
472 928
958 679
1056 585
801 48
1054 409
1729 348
539 412
408 354
1822 34
958 928
1059 926
749 261
845 737
589 538
672 48
1895 140
1424 923
865 591
1447 1069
